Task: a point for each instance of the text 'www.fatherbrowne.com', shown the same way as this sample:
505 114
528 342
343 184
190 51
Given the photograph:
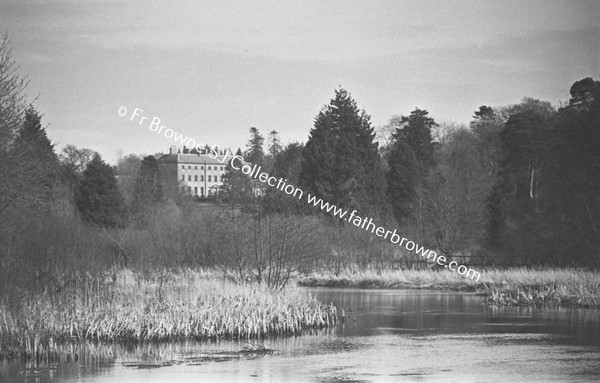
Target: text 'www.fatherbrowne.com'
254 171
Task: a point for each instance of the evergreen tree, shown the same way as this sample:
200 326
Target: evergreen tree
525 143
237 187
484 113
100 201
573 182
274 144
341 159
409 162
287 165
254 149
402 180
36 171
486 126
147 190
416 131
514 213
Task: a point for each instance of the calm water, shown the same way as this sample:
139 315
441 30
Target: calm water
390 335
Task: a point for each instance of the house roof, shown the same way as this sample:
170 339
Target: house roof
203 159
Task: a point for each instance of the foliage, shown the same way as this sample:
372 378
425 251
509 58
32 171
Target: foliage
455 195
75 159
513 203
126 171
147 191
514 286
181 305
100 201
402 180
415 130
572 179
274 144
13 101
254 149
237 189
341 159
269 248
537 170
409 163
287 165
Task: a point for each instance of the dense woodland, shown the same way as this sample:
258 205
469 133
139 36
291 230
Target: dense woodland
519 185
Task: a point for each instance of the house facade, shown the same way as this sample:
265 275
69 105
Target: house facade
195 172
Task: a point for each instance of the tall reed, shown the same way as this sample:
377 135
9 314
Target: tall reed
176 305
514 286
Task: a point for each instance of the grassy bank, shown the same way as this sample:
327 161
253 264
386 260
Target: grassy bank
516 286
132 309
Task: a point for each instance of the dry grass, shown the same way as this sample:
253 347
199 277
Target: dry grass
513 286
390 279
186 305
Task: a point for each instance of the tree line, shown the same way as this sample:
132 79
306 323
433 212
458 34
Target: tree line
518 185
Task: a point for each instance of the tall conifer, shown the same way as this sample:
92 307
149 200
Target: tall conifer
341 160
100 201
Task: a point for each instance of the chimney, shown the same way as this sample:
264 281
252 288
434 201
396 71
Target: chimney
173 150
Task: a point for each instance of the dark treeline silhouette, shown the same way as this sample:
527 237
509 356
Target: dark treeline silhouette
520 185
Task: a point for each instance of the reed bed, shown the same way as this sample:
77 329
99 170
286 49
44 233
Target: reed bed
177 306
514 286
389 279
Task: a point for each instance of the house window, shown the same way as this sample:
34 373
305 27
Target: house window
195 190
209 179
209 168
189 166
221 168
202 191
195 167
189 178
183 166
216 178
201 167
201 178
196 180
183 178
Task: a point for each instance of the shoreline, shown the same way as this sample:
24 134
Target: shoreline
135 309
510 287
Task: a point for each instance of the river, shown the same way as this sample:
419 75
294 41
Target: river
389 336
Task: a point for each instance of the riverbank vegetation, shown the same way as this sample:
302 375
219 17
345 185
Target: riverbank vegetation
512 286
517 186
131 307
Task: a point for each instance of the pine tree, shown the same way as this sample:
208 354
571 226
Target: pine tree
341 159
287 165
525 141
410 160
484 113
274 144
402 180
100 201
573 184
514 212
254 149
416 132
36 170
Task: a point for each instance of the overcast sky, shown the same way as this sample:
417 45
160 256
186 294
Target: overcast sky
212 69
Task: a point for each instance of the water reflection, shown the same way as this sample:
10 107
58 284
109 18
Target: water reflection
388 336
372 312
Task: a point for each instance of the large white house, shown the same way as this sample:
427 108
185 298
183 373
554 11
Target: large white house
197 172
